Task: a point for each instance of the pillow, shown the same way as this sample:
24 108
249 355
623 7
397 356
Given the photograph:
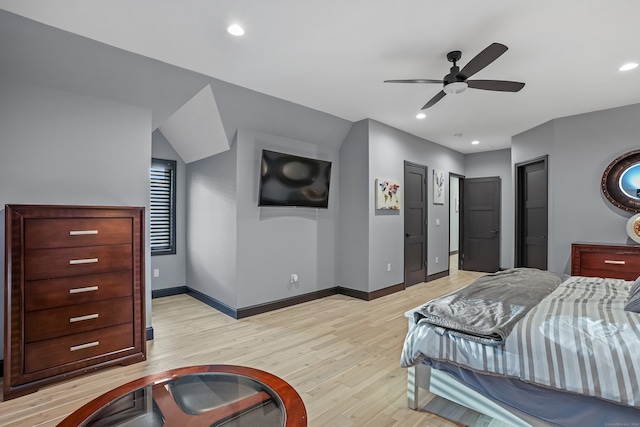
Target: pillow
633 303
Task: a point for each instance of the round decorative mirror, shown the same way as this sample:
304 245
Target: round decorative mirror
621 182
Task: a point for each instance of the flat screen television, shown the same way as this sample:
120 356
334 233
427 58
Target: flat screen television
287 180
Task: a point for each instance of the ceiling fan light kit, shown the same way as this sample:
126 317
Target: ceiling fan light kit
456 81
455 88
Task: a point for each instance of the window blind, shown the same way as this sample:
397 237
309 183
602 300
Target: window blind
163 210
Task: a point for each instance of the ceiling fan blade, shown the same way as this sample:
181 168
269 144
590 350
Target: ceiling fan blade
414 81
435 99
498 85
484 58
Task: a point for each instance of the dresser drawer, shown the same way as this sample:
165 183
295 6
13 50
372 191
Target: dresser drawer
610 261
41 233
50 263
73 348
56 322
64 291
605 260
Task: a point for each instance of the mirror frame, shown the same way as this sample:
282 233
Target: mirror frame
611 182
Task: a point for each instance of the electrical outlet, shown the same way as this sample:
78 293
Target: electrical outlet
438 221
156 272
436 260
294 278
389 267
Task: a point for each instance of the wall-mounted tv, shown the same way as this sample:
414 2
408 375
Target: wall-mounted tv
287 180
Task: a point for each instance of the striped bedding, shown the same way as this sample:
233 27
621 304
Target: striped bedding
578 339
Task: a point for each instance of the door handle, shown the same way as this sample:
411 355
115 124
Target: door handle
494 231
407 235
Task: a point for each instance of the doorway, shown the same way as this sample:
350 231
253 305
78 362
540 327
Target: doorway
480 231
415 217
532 213
455 214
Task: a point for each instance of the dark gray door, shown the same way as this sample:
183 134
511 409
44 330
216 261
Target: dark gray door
415 231
531 214
480 249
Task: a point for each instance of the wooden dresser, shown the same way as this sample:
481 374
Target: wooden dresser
74 292
605 260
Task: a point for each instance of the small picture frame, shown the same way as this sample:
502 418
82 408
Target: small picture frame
387 194
438 187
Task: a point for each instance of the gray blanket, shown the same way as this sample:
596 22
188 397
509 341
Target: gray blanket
487 310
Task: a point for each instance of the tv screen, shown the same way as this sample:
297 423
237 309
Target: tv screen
287 180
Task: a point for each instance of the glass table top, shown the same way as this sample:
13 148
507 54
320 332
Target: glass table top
227 396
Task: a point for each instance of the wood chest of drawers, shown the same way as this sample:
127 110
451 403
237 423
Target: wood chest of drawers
74 292
605 260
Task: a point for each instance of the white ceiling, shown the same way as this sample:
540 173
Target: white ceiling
333 55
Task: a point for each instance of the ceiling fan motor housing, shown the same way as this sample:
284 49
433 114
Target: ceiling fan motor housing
454 82
453 76
454 72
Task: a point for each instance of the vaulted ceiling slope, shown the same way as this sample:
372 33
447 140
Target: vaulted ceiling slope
333 55
47 56
61 60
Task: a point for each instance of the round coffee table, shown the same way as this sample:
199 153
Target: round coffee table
207 395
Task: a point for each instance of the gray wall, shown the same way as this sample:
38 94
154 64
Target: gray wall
353 236
580 148
387 150
212 226
265 245
392 148
242 254
172 268
275 242
497 163
239 253
59 147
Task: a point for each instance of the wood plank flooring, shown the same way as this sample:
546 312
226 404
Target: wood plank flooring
341 354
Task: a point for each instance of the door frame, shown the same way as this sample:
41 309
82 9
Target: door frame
463 250
425 245
451 207
519 220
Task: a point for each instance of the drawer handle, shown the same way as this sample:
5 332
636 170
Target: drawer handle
83 261
82 346
82 232
81 318
612 261
80 290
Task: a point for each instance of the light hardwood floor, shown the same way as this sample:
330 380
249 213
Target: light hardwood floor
341 354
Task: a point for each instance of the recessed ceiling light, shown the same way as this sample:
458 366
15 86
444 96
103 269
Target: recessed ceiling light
235 30
476 142
421 116
628 66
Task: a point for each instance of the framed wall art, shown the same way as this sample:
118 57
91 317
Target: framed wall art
387 194
438 187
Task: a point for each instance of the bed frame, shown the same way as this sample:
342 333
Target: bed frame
444 385
440 383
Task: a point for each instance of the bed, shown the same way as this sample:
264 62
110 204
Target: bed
564 352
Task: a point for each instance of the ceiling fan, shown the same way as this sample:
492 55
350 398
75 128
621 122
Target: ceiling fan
456 81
